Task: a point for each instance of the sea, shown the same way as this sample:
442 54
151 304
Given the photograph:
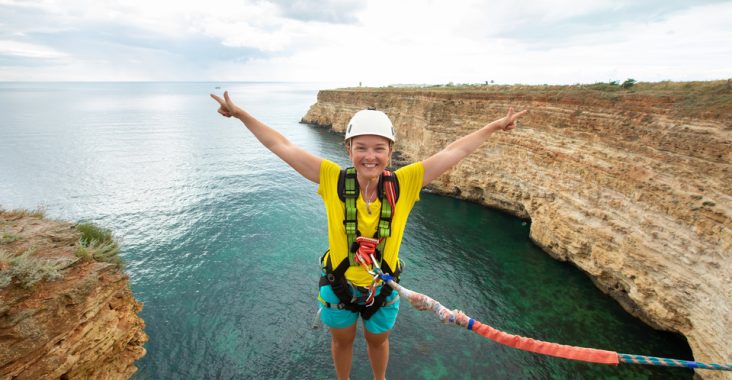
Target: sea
221 241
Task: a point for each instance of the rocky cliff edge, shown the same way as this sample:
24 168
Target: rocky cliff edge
63 313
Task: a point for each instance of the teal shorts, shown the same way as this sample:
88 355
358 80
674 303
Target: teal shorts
382 321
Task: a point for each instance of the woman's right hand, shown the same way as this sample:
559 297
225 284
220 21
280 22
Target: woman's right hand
226 106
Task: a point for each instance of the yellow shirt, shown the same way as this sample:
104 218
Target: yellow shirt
410 183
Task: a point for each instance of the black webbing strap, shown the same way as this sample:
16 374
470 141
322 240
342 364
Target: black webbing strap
336 278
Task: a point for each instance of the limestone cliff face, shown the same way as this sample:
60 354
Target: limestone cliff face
633 187
81 325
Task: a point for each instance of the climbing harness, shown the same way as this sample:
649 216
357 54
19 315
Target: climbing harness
348 191
363 251
591 355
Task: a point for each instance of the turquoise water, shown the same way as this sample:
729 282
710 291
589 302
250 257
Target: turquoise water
221 241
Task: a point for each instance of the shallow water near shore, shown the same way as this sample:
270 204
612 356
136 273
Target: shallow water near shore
221 242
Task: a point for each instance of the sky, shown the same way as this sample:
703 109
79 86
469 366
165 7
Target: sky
373 43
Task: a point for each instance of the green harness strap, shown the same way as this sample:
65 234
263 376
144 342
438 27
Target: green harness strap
350 196
351 222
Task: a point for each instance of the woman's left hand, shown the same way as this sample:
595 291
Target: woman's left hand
510 121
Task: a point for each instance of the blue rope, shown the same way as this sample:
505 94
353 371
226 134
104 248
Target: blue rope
652 360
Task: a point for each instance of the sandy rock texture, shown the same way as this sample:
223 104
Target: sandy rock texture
82 325
632 186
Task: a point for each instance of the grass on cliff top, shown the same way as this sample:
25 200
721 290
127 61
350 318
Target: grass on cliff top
95 243
39 213
28 269
664 87
706 99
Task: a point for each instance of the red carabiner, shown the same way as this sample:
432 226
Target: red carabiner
366 248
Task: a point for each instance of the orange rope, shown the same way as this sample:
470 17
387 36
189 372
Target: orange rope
457 317
584 354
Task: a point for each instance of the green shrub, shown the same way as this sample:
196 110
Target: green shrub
83 253
8 237
5 271
601 86
97 243
90 232
28 269
628 83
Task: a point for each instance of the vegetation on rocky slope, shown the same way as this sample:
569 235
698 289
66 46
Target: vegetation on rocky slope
24 258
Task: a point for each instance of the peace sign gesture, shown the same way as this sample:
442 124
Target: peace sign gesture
511 120
227 107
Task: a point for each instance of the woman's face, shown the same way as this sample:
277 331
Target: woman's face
370 154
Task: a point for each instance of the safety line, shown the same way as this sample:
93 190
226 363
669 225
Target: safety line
585 354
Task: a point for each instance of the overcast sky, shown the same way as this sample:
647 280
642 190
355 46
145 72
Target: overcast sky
374 42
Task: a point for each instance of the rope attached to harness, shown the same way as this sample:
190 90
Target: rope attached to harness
591 355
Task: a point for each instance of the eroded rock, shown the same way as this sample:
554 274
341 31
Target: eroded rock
82 325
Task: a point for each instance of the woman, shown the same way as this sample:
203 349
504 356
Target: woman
367 211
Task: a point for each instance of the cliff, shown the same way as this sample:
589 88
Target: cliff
63 313
633 186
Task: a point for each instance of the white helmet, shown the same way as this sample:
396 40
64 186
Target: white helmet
370 122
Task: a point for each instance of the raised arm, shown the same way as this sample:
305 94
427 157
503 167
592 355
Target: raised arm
443 160
305 163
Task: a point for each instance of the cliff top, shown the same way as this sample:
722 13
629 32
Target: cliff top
66 310
710 100
34 249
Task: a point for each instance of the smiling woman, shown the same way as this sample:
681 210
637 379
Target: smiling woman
364 231
369 140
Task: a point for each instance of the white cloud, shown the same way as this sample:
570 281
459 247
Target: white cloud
376 42
26 50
